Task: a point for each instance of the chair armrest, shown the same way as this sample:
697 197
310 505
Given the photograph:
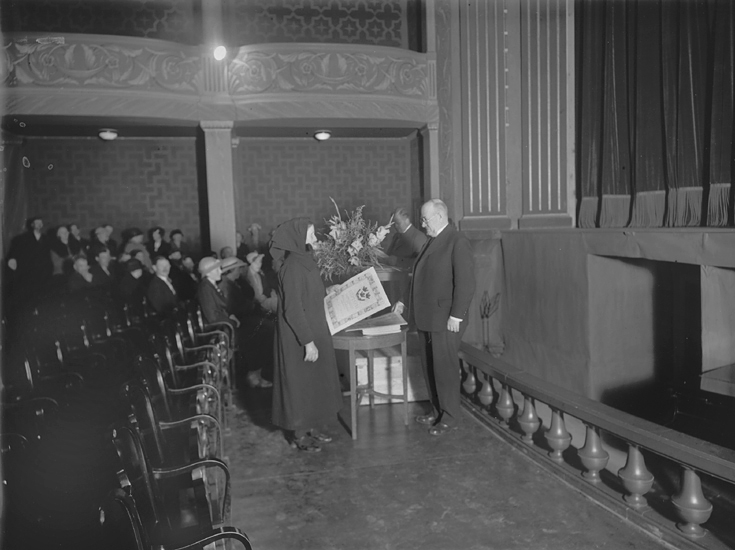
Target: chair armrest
186 421
168 473
222 533
195 388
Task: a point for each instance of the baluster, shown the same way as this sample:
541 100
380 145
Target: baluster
529 420
470 383
505 406
594 458
636 478
691 505
557 437
485 395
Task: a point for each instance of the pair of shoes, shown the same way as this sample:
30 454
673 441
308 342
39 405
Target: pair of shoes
440 428
256 381
305 444
320 437
428 419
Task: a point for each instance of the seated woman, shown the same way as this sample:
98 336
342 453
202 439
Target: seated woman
156 246
131 289
177 248
132 243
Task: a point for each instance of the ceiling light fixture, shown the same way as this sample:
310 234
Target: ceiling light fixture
107 134
322 135
220 52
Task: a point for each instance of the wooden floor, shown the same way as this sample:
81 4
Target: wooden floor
397 487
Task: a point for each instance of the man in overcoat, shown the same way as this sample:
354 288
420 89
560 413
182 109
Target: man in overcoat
439 298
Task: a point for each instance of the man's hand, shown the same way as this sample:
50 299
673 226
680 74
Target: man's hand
312 353
453 324
13 264
333 288
398 308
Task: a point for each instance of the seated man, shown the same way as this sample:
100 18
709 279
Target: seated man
185 279
80 279
211 298
102 275
161 294
131 288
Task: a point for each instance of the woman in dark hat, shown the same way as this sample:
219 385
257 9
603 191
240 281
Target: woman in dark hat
132 242
156 246
306 388
132 286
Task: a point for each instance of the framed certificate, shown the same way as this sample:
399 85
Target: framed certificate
359 297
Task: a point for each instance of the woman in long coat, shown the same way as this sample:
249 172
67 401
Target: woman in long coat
306 388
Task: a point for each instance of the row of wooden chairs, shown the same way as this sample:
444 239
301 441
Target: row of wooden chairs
174 378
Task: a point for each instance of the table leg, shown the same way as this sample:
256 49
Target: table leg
371 376
353 392
404 367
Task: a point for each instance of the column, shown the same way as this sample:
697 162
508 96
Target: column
220 183
430 140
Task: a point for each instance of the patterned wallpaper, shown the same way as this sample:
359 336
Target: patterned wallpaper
128 183
378 22
174 20
283 179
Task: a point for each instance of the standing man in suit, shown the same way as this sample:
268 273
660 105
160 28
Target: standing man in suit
439 299
407 242
161 294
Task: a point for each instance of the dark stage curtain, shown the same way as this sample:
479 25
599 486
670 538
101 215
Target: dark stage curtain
655 112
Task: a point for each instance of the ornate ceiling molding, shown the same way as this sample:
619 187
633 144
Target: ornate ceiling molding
329 68
138 77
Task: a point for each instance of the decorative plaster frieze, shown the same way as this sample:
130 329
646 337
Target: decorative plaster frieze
84 62
329 68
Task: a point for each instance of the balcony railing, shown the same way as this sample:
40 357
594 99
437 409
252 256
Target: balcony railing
675 512
165 79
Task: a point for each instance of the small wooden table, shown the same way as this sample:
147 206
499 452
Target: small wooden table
354 342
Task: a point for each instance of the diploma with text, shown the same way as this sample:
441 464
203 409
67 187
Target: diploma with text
356 299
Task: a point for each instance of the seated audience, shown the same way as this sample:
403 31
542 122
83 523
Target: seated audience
61 253
210 297
80 279
235 300
263 294
185 279
103 276
226 252
156 246
131 289
161 294
99 239
78 244
177 246
242 247
132 243
111 243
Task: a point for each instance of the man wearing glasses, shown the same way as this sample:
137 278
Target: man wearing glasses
441 291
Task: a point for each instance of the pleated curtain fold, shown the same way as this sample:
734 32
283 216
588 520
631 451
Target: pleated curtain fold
655 112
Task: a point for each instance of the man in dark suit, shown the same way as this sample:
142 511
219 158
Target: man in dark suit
407 241
210 297
439 298
161 294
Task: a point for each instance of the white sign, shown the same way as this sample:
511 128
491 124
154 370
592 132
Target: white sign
359 297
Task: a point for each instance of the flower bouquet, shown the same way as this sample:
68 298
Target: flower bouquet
352 245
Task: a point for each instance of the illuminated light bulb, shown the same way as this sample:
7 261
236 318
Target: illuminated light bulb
220 52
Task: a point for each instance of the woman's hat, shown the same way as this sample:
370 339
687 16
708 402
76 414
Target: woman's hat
133 265
208 264
231 263
252 256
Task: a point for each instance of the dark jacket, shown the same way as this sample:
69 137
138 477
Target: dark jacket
160 297
443 281
212 302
